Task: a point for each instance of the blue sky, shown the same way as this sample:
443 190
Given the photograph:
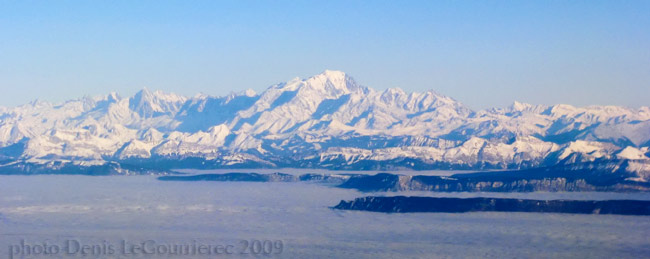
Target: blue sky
483 53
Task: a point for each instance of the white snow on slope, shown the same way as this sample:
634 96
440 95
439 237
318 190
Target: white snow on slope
328 115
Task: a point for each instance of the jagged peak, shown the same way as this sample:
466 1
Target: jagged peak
562 108
248 92
333 73
426 94
394 90
142 96
332 80
146 94
217 129
519 106
433 92
392 94
201 95
113 96
150 104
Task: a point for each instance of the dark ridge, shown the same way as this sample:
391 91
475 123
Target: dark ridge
539 179
402 204
255 177
66 168
233 177
369 183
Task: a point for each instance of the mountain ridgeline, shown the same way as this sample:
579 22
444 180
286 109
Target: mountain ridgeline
325 121
402 204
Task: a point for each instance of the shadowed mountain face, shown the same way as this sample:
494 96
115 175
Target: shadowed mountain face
325 121
581 177
401 204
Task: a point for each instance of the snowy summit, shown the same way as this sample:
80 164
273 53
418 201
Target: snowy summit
325 121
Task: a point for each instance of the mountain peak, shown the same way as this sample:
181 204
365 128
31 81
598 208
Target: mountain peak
150 104
394 90
333 73
248 92
144 92
113 96
333 76
332 82
520 106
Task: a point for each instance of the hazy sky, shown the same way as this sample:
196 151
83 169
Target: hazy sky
483 53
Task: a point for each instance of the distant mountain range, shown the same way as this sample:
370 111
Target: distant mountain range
325 121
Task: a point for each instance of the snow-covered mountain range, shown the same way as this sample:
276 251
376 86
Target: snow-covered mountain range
325 121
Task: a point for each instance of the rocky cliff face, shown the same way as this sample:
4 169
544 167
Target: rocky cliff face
585 177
